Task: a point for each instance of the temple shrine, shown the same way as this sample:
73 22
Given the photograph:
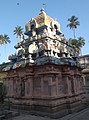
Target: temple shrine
44 75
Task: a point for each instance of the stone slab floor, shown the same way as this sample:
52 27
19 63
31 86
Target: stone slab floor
83 115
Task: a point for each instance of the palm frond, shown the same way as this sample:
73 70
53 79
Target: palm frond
18 30
4 39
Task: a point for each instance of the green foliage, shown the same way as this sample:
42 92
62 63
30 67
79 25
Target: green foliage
4 39
78 43
73 23
18 31
81 42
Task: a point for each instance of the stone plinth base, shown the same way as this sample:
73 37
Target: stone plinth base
53 107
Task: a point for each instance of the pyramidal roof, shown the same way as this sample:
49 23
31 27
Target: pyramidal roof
41 20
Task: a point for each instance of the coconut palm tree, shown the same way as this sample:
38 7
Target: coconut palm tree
19 32
81 42
73 42
1 39
4 39
77 43
73 23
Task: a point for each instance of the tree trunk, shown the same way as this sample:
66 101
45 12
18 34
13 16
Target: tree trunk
74 33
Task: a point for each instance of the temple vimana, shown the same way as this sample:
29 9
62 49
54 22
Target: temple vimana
44 75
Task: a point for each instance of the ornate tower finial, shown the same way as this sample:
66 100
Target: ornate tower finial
43 5
42 9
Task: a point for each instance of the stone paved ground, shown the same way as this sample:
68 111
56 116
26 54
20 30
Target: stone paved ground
83 115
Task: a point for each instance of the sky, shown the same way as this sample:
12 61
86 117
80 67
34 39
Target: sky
19 12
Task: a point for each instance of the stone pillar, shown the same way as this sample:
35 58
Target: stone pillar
42 85
37 86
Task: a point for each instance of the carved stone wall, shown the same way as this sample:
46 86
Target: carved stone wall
51 89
